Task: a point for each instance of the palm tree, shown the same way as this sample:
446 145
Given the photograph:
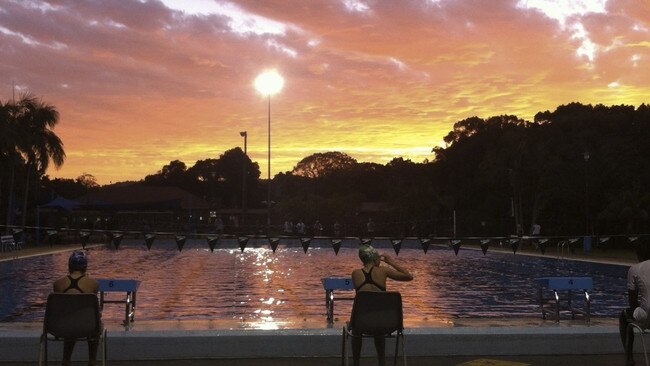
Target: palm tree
9 136
4 141
37 143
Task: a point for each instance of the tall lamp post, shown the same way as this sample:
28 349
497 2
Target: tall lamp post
269 83
244 134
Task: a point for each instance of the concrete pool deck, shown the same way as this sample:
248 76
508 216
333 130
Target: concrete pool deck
470 342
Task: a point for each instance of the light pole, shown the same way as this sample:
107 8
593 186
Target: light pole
586 156
244 134
268 83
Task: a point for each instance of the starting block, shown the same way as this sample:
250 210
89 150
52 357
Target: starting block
568 284
120 285
335 283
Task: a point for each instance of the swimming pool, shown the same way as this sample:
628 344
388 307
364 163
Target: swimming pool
259 286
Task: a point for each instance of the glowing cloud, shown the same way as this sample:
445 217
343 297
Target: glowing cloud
141 83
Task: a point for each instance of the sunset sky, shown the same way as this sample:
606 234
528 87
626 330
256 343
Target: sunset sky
141 83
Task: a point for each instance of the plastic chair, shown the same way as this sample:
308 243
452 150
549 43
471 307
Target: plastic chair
72 317
375 313
643 328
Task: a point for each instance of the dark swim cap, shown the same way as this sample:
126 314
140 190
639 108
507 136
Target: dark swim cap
78 260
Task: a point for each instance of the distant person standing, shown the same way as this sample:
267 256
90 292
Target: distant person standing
300 227
370 227
288 227
337 229
638 284
218 225
520 230
536 230
318 228
77 281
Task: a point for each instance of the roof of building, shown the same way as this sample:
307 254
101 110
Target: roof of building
140 196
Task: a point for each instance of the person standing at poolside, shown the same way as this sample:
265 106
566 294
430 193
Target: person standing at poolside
288 227
317 228
370 228
372 277
300 227
77 281
337 229
638 284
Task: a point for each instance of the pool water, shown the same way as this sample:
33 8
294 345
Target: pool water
259 286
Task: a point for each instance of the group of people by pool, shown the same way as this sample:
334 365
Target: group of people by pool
372 276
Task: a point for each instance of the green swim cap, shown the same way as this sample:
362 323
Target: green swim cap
368 254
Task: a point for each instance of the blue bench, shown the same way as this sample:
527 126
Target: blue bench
568 284
129 286
335 283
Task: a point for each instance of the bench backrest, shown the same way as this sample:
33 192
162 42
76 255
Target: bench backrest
8 239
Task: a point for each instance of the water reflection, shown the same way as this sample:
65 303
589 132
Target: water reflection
264 290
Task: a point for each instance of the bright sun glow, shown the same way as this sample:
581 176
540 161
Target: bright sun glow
269 82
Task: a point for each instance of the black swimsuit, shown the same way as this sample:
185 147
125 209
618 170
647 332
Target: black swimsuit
74 284
369 281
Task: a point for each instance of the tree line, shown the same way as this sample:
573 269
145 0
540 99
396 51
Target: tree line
577 170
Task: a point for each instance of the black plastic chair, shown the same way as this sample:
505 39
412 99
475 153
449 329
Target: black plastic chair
72 317
375 314
643 328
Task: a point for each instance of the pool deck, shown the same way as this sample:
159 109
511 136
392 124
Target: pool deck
470 342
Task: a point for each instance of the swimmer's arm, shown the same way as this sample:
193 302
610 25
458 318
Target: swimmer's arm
356 278
58 286
633 299
397 273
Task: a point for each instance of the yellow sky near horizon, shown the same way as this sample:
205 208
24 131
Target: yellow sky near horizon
141 83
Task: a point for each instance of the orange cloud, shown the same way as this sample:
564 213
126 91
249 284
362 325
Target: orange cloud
139 84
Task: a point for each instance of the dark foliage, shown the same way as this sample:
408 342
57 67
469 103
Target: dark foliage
575 170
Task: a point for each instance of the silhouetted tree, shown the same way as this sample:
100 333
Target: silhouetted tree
320 164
